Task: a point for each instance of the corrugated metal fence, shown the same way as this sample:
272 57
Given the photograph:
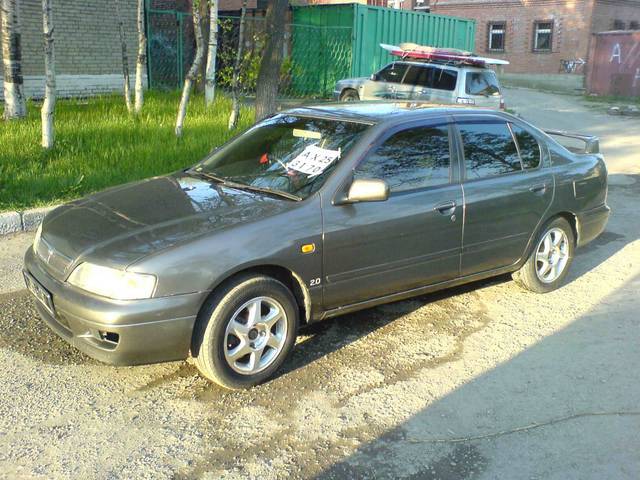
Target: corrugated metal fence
323 44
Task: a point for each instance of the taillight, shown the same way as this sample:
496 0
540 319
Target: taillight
465 101
502 104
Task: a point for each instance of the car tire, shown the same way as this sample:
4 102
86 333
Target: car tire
349 95
550 258
239 340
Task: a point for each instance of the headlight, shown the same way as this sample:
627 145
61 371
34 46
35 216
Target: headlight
112 283
36 240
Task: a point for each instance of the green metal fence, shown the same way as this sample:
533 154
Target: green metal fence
320 56
323 45
370 26
170 47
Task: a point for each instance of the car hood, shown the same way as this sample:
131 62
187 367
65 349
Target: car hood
124 224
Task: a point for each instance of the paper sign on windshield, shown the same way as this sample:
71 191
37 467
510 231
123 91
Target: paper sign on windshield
313 160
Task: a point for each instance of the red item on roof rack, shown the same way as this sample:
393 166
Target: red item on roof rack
433 54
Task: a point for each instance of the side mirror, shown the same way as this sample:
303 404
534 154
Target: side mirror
367 190
374 77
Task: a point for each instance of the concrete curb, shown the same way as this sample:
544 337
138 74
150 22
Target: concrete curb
24 221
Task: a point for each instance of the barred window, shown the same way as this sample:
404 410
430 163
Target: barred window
542 36
496 36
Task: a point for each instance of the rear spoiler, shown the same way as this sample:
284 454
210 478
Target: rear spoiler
591 142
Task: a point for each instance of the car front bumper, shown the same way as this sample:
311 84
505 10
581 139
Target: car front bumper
117 332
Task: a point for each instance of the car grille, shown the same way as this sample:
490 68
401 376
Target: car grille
52 258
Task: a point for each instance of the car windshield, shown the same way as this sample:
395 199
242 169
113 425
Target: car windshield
482 83
286 154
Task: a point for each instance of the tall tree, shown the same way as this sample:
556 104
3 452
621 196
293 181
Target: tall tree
14 102
49 105
235 103
141 61
192 74
271 62
125 58
210 73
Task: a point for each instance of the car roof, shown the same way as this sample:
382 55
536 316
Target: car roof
377 112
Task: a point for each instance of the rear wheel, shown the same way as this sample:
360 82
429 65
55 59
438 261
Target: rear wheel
245 332
349 95
548 264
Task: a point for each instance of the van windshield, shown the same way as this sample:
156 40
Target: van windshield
482 83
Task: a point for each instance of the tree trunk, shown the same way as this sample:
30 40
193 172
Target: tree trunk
14 102
141 61
125 58
48 107
269 73
193 71
235 105
210 74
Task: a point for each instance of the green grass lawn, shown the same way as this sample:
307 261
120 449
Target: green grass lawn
98 145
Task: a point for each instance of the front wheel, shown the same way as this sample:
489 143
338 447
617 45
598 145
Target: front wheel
245 332
349 95
548 264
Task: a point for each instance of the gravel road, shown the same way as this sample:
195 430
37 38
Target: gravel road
485 381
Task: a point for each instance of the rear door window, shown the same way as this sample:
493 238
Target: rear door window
482 83
419 75
410 159
489 150
393 72
443 79
530 151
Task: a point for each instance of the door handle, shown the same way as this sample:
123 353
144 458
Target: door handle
446 208
540 188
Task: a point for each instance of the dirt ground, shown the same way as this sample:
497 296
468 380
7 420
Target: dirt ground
480 382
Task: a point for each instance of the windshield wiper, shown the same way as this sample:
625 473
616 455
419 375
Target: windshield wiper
207 175
244 186
269 191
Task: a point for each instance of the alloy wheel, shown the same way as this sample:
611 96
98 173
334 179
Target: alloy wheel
255 335
552 255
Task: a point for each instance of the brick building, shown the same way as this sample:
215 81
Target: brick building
536 36
88 49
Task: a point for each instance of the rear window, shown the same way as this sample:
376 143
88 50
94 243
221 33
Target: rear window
529 147
482 83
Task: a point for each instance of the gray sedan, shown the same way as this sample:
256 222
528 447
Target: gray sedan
310 214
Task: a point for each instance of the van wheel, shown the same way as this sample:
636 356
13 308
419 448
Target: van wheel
245 331
549 262
349 95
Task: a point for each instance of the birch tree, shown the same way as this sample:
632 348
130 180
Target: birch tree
192 74
48 107
271 62
125 58
141 61
235 104
210 73
14 102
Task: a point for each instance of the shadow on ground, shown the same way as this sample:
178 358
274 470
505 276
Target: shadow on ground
568 407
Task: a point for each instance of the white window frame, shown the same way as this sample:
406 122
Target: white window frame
502 30
537 30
